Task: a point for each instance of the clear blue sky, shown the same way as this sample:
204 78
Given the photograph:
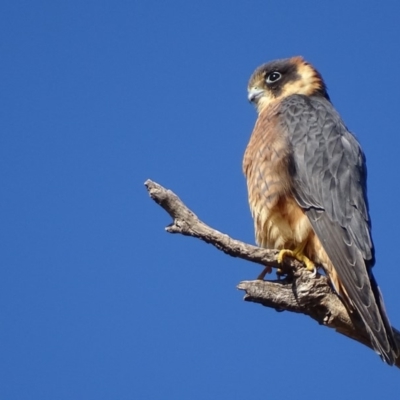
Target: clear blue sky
96 300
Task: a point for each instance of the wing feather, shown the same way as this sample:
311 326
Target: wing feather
329 183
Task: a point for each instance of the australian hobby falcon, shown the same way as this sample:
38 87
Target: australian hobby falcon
306 179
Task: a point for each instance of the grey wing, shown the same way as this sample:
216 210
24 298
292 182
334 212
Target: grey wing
329 178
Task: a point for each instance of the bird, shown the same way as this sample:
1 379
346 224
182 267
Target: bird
307 188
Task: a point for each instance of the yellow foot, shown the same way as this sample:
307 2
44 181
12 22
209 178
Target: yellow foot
310 266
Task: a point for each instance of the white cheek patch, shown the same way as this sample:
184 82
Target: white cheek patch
265 101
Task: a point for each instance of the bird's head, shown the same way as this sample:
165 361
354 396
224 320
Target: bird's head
281 78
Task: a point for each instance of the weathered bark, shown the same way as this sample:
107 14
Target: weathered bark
299 291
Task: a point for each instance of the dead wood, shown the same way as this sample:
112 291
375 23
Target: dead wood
298 291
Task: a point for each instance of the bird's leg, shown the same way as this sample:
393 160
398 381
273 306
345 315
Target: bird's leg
298 254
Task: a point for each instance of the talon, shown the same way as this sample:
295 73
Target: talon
297 254
310 266
285 253
314 272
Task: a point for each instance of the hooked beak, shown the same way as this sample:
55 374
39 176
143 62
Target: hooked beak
254 94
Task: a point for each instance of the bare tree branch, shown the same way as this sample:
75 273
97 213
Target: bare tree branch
300 291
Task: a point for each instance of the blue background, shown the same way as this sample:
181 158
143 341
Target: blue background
96 300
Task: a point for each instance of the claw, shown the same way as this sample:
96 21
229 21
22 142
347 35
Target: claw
314 272
285 253
297 254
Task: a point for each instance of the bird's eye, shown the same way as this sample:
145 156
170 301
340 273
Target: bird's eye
273 77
